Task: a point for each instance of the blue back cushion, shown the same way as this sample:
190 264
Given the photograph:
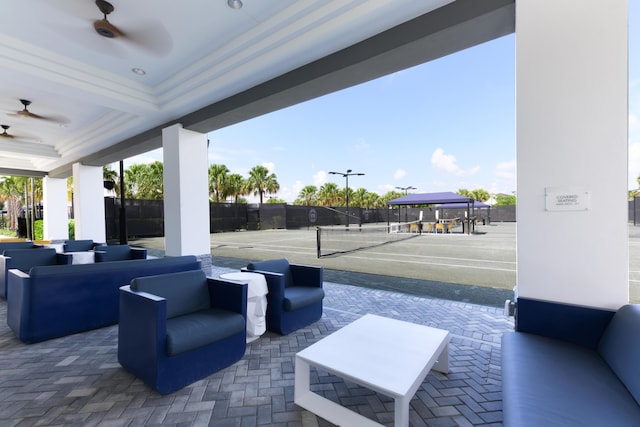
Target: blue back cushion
115 252
275 266
5 246
185 292
620 347
77 245
24 259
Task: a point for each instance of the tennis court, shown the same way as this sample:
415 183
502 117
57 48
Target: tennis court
486 259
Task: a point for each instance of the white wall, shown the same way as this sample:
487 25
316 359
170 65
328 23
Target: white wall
88 203
571 113
186 192
55 214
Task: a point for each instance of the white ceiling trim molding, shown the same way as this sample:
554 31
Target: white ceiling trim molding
18 149
32 60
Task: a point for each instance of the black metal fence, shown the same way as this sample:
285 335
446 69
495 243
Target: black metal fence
145 218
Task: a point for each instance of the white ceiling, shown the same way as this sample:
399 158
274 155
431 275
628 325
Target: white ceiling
195 53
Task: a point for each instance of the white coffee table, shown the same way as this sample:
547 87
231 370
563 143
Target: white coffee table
389 356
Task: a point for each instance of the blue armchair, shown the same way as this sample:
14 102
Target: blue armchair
178 328
118 253
295 294
80 245
24 259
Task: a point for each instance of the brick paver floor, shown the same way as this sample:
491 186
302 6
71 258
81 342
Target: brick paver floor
77 381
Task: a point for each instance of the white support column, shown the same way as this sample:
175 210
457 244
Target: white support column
55 213
571 114
88 203
186 193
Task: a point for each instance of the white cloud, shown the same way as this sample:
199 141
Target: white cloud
319 178
399 174
634 123
448 163
385 188
270 166
474 170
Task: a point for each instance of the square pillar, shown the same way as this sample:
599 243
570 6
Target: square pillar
55 213
571 121
186 193
88 203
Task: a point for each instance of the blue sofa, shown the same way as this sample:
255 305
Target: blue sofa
118 253
24 259
58 300
295 294
571 366
178 328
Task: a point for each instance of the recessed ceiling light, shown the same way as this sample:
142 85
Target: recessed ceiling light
234 4
139 71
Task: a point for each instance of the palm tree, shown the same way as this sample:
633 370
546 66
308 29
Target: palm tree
358 197
235 186
217 179
261 181
145 181
12 193
307 196
329 194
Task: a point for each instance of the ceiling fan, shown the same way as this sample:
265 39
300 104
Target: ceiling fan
5 134
25 113
153 37
103 26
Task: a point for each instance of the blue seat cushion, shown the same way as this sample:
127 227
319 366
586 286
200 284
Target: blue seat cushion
549 383
191 331
296 297
275 266
186 291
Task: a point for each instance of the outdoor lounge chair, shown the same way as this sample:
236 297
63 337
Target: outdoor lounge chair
295 294
178 328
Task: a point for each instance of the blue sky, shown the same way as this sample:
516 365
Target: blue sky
440 126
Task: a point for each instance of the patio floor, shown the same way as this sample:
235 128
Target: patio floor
77 381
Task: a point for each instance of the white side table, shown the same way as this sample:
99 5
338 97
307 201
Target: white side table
85 257
256 301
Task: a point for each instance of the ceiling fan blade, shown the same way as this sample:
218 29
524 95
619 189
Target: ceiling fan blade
151 37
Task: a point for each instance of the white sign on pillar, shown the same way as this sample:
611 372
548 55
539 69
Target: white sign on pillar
186 192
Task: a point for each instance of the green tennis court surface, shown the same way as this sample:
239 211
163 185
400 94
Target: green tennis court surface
480 267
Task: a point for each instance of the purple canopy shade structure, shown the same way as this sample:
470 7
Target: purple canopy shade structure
431 199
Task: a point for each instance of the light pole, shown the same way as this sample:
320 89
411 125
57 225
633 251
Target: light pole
406 208
346 175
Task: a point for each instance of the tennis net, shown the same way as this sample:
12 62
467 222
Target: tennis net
338 239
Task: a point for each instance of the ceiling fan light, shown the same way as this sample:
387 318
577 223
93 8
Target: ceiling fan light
235 4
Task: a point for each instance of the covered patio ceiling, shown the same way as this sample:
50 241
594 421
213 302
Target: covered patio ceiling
206 66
